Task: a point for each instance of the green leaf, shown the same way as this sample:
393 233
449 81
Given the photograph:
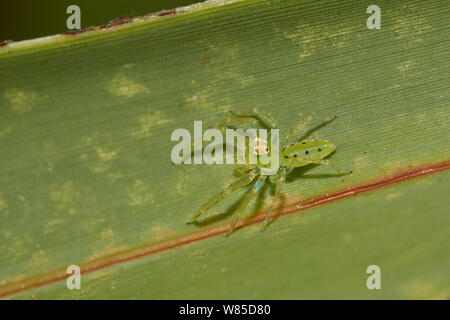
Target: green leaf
86 176
321 254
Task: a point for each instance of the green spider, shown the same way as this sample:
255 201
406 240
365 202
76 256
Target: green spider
293 155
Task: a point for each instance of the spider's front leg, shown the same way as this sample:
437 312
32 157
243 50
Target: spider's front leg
296 129
264 118
228 123
242 182
317 127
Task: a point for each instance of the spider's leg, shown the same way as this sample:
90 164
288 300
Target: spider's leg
229 123
331 164
264 118
320 125
237 123
243 170
276 197
242 182
296 129
226 124
248 197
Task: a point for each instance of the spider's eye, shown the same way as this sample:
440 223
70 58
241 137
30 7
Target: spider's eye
267 149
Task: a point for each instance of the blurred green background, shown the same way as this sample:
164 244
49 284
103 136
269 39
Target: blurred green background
27 19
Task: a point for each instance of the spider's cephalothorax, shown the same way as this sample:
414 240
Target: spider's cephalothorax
292 155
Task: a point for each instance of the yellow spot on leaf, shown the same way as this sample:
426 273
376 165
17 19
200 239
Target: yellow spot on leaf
361 162
108 251
114 176
107 235
21 101
99 168
421 117
421 290
39 259
148 121
122 86
52 226
6 131
307 36
106 155
393 196
404 66
158 233
63 195
3 205
246 81
139 193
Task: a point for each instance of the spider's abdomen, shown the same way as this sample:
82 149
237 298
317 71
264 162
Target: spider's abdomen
304 152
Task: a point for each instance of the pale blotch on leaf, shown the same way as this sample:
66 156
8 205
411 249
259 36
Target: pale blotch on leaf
404 66
442 116
299 35
7 234
99 167
405 27
106 155
158 233
246 81
392 196
63 195
53 226
140 194
4 132
3 205
21 101
302 39
201 100
148 121
204 99
107 236
307 36
180 189
361 162
107 251
40 259
421 117
348 237
102 275
342 31
421 290
121 86
114 176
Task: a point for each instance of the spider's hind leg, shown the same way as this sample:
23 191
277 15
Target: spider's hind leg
242 170
248 197
242 182
275 199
